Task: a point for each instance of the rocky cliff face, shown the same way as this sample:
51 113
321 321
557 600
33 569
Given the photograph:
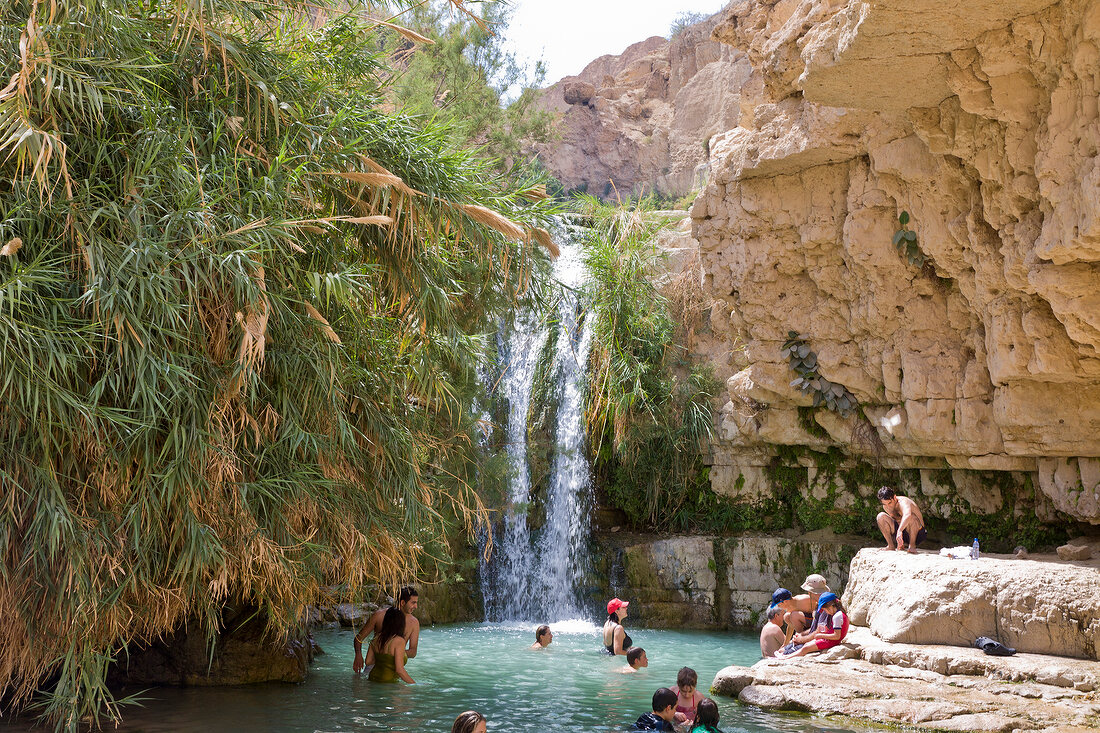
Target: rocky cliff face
978 349
641 121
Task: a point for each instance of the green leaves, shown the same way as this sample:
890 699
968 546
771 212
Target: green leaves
645 420
803 362
905 241
230 372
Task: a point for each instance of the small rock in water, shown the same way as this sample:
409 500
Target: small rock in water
1020 553
1074 552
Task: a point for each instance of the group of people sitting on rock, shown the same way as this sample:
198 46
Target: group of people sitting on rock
816 620
804 624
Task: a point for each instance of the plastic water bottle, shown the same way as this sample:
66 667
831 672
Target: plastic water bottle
974 553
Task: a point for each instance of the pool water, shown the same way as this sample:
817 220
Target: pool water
570 686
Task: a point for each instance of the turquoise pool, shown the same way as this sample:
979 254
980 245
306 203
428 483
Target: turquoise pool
571 686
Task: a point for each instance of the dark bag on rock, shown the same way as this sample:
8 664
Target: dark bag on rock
993 647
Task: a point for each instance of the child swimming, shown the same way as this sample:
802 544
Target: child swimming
688 698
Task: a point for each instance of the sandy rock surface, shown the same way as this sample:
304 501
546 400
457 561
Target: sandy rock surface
986 355
642 120
926 687
1036 605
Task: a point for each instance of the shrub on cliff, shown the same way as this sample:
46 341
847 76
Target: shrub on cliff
240 310
647 411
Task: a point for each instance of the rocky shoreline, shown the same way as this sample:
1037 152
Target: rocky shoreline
928 687
907 659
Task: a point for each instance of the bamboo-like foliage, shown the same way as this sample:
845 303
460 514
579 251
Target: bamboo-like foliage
240 315
647 412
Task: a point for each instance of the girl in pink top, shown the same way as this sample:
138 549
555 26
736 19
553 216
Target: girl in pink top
832 627
688 698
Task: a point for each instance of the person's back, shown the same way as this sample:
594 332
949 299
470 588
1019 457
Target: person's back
387 651
772 636
385 661
706 717
651 721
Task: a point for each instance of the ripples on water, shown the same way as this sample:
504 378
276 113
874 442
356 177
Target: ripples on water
569 687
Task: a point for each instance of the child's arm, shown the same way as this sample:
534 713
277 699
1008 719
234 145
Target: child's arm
835 635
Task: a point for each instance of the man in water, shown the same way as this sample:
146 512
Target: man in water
635 660
772 636
543 637
407 601
900 521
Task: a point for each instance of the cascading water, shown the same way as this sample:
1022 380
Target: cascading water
535 573
507 577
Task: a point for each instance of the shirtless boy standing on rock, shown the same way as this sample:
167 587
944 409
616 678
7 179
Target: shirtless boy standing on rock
901 523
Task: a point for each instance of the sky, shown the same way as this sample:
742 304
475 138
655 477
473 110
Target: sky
567 34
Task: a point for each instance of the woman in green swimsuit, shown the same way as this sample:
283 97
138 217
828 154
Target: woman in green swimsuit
387 651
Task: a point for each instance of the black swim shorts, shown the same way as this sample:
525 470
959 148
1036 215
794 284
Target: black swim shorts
921 534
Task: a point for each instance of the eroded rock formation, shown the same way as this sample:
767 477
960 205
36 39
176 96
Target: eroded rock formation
641 121
981 121
244 653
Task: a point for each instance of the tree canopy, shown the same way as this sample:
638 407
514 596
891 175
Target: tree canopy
241 310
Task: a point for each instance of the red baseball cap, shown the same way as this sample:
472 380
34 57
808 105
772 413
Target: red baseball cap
615 604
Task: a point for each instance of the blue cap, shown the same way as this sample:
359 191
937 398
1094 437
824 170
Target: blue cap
780 595
825 599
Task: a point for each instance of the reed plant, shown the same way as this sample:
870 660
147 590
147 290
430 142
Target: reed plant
648 409
241 309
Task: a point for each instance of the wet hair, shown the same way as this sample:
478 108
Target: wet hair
886 494
541 631
613 617
393 624
466 722
706 715
774 611
634 655
686 676
664 698
407 594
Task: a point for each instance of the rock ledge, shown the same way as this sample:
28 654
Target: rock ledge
928 687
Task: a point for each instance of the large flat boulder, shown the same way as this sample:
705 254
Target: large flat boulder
1044 607
924 687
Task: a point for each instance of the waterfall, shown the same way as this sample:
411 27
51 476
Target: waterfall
534 573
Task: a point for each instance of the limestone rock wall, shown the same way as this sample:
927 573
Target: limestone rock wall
709 581
642 120
982 121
